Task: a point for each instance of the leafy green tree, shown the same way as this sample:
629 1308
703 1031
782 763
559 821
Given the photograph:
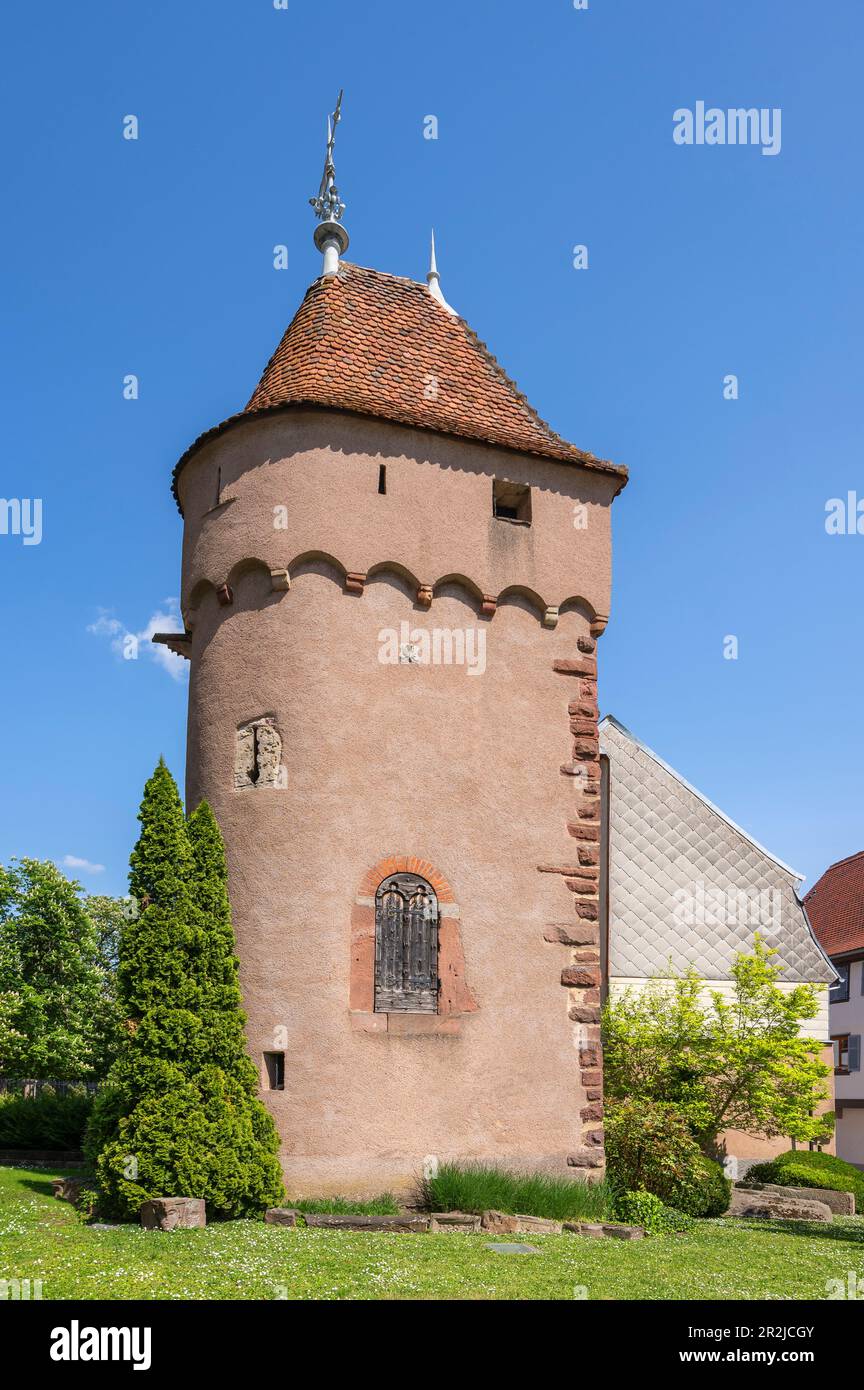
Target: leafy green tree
52 1015
722 1063
180 1115
11 982
108 916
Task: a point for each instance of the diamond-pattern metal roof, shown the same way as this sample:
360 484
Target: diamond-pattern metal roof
673 854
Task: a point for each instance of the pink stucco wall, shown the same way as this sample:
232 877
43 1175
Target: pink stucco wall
461 770
436 518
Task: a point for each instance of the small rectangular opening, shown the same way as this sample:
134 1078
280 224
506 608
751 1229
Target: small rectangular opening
511 501
274 1063
382 479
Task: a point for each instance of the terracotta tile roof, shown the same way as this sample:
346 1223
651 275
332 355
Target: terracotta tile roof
380 345
835 906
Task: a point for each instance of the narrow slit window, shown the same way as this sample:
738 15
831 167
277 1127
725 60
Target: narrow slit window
255 769
382 479
274 1064
511 501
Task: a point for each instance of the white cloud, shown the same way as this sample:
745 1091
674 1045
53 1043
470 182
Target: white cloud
129 645
71 861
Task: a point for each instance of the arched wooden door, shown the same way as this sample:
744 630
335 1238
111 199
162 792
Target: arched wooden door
406 945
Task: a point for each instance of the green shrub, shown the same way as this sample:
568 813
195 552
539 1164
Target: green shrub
769 1171
87 1203
705 1192
648 1145
477 1187
383 1205
645 1209
44 1121
649 1148
801 1168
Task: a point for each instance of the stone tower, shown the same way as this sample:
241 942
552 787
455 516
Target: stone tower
394 578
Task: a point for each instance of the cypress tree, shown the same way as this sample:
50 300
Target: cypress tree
180 1115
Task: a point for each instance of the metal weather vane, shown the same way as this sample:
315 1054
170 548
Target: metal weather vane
328 205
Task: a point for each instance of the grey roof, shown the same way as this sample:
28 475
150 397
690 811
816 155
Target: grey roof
686 883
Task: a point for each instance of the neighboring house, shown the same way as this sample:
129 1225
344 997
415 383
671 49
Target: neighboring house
686 886
835 906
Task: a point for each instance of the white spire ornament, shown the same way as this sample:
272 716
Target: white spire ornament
331 237
432 280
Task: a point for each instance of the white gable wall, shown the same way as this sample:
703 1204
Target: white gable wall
816 1028
686 886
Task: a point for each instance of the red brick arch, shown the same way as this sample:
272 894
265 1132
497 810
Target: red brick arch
454 997
406 864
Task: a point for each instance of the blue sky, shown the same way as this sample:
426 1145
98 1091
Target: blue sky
555 127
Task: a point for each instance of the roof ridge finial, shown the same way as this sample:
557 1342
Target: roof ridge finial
331 237
433 279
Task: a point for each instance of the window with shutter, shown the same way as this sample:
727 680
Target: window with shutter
839 991
841 1043
406 945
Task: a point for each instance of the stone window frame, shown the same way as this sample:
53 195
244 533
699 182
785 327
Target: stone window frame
249 726
455 998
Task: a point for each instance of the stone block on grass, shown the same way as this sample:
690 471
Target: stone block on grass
501 1223
67 1189
776 1206
173 1213
538 1225
454 1221
281 1216
841 1203
330 1221
615 1230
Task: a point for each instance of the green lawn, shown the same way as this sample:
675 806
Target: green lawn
41 1238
